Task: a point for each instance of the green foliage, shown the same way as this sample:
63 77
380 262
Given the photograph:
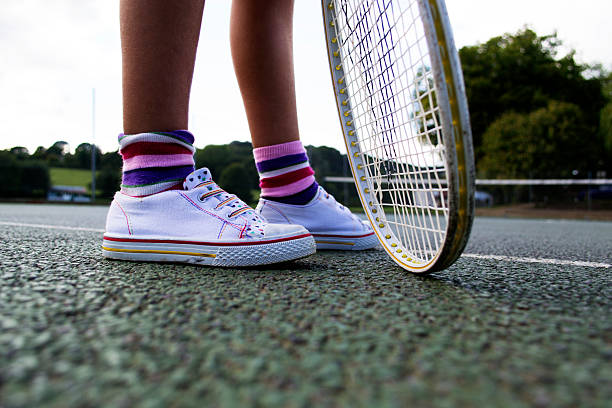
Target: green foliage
522 73
59 148
214 157
217 157
607 84
112 160
40 153
54 155
22 178
20 152
25 175
233 178
232 165
81 159
10 177
327 161
550 142
108 181
35 179
605 130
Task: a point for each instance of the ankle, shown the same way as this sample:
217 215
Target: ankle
285 173
155 161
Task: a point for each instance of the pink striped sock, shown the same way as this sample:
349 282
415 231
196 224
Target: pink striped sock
155 161
285 174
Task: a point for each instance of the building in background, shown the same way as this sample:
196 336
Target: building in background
76 194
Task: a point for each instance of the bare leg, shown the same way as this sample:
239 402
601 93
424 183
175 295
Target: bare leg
159 39
262 50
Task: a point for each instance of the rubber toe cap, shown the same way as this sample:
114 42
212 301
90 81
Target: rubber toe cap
272 231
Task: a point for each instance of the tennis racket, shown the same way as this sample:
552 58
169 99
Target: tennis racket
401 101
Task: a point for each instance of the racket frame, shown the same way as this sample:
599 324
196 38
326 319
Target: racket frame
456 134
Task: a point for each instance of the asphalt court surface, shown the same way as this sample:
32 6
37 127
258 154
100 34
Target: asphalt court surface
523 319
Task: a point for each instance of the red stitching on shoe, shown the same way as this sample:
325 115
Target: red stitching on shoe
127 220
243 229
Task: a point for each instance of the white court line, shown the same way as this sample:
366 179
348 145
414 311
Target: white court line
46 226
502 258
538 260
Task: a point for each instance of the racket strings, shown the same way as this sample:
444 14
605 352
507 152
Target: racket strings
390 104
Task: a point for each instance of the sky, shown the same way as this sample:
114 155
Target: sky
55 52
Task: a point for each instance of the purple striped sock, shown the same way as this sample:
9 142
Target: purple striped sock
285 174
155 161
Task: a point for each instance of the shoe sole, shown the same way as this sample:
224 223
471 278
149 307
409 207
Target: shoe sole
224 254
345 242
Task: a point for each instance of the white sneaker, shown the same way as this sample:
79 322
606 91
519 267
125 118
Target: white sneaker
201 225
332 225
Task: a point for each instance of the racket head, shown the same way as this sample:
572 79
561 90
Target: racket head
401 101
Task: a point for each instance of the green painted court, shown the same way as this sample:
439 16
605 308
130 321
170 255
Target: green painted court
523 319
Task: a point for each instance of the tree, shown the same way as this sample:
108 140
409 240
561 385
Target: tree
605 130
55 154
111 160
35 179
82 157
20 152
214 157
233 179
10 175
242 152
605 123
108 181
22 178
550 142
522 73
218 157
40 153
327 161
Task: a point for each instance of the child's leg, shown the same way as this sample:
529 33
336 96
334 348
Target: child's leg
159 39
262 49
166 211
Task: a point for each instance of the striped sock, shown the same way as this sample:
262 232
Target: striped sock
155 161
285 174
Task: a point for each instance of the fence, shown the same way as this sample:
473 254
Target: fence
585 194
